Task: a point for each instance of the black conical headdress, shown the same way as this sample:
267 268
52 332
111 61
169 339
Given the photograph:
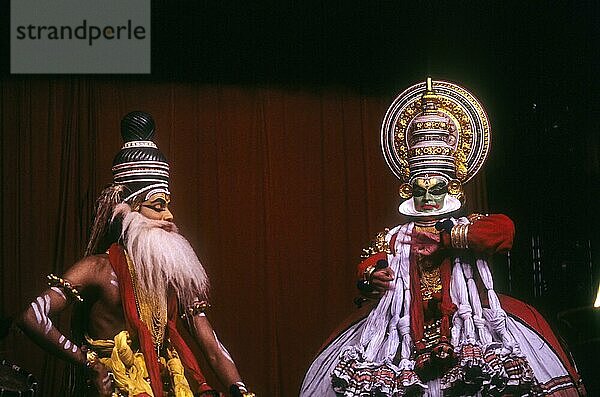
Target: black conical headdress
140 167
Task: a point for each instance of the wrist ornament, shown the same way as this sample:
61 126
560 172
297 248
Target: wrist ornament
195 309
376 252
368 273
458 236
459 233
238 389
91 358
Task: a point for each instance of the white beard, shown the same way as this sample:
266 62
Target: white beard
162 258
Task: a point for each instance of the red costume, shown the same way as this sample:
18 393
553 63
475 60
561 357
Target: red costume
138 329
456 365
438 327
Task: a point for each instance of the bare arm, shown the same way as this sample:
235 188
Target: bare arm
218 357
36 320
37 323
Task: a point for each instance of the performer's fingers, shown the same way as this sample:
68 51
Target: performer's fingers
106 385
390 273
385 275
381 286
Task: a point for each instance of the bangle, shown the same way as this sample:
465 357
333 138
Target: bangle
459 236
241 386
465 233
91 358
368 273
196 308
238 389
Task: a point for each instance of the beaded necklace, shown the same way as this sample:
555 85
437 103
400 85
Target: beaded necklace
151 307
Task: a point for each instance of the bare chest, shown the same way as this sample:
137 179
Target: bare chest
105 318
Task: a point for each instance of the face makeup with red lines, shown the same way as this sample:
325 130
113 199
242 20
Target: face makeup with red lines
157 207
429 193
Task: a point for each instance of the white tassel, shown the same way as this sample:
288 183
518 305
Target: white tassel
380 339
496 316
478 320
464 308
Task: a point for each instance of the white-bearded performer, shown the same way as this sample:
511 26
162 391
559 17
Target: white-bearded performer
437 327
139 275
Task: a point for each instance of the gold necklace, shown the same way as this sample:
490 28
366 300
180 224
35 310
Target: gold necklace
423 228
152 308
431 283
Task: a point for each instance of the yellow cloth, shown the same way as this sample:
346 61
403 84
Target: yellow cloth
129 368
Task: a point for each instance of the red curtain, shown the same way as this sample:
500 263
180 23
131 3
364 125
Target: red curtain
278 189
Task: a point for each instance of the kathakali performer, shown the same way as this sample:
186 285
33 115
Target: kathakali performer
438 327
138 277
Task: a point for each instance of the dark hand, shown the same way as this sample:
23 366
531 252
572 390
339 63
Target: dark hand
381 279
102 379
445 225
378 282
237 391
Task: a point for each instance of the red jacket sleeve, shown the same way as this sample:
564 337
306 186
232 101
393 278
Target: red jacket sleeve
376 252
491 234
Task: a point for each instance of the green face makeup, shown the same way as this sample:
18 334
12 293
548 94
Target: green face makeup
429 194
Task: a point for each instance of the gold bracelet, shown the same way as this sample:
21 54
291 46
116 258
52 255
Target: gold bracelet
196 308
453 236
368 273
465 232
459 236
91 358
55 281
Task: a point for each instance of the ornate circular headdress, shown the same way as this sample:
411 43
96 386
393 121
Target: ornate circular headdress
435 128
140 167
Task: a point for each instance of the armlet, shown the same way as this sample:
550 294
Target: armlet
65 285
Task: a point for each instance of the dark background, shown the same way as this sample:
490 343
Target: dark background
533 65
